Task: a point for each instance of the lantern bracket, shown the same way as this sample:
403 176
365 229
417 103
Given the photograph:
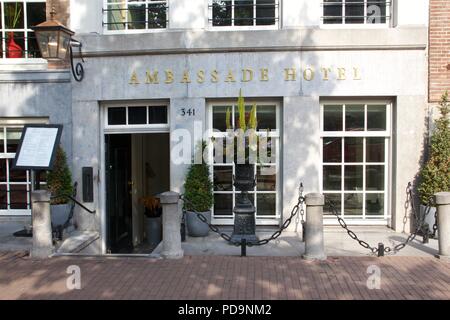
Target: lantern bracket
77 69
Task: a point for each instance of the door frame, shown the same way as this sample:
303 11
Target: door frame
130 129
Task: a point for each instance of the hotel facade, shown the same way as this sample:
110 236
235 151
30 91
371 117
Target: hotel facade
340 87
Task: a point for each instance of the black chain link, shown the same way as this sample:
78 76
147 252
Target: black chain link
297 208
400 246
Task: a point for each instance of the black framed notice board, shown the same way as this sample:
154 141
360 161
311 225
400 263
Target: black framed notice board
37 147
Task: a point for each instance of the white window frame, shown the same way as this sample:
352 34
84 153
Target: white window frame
26 30
134 31
16 123
276 26
138 128
388 24
386 219
277 134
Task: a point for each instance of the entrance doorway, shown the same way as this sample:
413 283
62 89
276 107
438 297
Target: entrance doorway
137 166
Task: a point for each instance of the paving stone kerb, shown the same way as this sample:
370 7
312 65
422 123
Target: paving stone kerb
171 214
443 209
314 243
42 225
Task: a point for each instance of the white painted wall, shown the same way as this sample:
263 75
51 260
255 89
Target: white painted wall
86 16
300 13
412 12
191 14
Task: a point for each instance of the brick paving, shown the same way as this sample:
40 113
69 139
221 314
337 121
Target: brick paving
223 277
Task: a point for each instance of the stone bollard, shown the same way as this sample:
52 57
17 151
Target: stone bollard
171 225
443 218
42 225
314 244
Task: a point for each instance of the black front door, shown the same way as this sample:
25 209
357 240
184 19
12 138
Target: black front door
118 193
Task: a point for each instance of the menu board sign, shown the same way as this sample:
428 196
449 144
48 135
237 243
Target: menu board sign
37 147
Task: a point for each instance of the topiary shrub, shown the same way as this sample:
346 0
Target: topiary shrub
435 175
59 179
198 188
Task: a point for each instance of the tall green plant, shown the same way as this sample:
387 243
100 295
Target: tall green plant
12 15
198 187
59 179
435 175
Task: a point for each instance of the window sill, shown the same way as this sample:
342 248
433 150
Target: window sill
23 64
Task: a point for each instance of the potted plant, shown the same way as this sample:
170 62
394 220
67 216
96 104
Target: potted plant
59 182
12 17
153 221
435 175
198 189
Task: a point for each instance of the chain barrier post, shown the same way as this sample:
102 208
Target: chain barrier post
243 247
442 200
42 225
380 249
171 225
314 244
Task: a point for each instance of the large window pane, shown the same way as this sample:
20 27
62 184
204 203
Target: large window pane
136 16
223 204
266 178
265 12
116 16
222 13
266 117
3 197
35 13
117 116
332 118
14 15
219 117
375 149
18 196
157 115
266 204
376 11
354 11
13 136
16 175
332 149
353 204
223 178
353 179
332 178
354 118
243 12
375 204
332 11
376 118
137 115
3 170
332 199
375 177
157 16
354 149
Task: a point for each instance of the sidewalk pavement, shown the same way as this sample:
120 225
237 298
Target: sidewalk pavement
224 277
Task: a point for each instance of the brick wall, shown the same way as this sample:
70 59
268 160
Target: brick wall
62 8
439 49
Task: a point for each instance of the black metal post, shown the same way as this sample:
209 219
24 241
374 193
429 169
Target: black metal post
380 250
243 247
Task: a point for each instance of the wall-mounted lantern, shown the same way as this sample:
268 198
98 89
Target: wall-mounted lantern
55 44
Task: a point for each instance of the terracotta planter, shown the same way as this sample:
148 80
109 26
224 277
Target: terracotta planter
13 50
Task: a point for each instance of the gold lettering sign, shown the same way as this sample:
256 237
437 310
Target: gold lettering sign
246 75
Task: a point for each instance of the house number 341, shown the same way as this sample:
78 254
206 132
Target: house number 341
187 112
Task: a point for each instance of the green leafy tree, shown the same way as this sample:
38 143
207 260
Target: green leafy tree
198 187
59 179
435 175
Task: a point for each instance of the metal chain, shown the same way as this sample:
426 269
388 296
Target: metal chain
297 208
398 247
